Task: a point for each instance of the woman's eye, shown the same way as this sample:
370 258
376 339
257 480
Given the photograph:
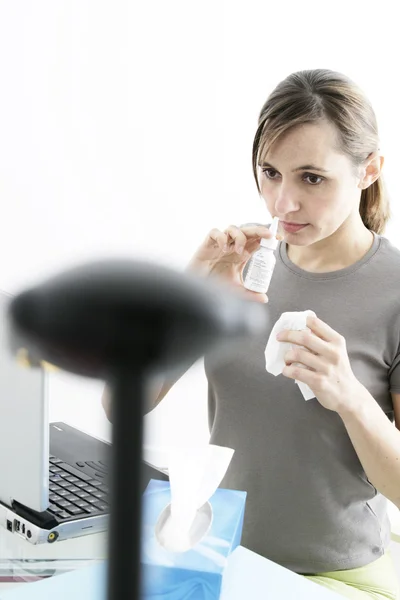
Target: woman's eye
270 173
312 179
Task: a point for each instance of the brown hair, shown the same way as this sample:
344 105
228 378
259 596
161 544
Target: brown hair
310 96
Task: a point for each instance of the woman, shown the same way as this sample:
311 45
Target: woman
316 471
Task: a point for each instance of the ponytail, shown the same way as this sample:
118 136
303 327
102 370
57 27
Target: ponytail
374 207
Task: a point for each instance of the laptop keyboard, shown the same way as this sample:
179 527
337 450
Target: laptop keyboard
74 493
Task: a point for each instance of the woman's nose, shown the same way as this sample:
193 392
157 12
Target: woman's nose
286 201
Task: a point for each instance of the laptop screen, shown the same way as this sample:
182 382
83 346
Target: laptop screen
24 427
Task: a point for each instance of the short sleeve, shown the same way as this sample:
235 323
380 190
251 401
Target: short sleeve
394 375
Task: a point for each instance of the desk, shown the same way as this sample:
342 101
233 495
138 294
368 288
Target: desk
24 563
21 563
247 576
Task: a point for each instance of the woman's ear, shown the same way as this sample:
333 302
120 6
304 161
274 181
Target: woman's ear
371 170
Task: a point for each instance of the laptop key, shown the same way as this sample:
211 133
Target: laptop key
73 489
102 466
82 494
55 478
64 484
75 510
63 515
55 461
101 506
75 472
92 499
54 497
81 503
54 469
70 497
54 509
90 489
64 504
53 487
95 483
71 479
63 492
81 484
90 509
99 495
97 466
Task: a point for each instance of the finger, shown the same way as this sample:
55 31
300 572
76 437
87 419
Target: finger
257 231
252 245
306 358
255 296
238 238
260 231
217 238
310 378
249 295
304 338
322 329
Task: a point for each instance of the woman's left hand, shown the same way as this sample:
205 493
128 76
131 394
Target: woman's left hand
328 372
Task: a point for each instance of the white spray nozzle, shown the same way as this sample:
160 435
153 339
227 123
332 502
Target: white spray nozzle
271 243
274 225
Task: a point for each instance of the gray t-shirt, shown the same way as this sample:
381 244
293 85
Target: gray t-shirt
310 506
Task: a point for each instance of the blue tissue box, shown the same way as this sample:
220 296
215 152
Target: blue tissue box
197 573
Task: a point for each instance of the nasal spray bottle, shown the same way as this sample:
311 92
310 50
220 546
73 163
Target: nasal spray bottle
262 263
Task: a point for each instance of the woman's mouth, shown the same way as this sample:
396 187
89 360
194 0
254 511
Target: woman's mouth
292 227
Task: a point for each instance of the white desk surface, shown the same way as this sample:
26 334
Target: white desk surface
247 576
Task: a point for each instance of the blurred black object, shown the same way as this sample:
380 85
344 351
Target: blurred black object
123 321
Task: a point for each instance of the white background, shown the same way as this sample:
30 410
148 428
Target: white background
126 129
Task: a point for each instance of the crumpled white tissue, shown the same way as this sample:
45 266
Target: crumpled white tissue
194 475
275 351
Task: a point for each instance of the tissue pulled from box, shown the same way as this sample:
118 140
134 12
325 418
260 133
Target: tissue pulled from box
194 474
275 351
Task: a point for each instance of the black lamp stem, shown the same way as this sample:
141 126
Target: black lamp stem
128 391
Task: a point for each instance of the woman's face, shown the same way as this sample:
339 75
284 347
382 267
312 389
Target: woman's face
308 184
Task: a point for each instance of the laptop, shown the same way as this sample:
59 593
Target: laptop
53 477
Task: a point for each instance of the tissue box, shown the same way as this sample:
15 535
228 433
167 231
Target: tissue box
196 574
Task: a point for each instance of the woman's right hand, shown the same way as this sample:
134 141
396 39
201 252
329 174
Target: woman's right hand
225 254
